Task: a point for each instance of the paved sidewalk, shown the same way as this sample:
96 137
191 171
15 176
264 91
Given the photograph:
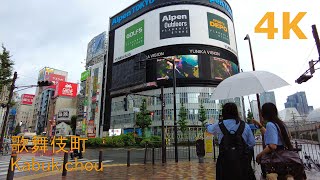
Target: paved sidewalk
172 170
182 170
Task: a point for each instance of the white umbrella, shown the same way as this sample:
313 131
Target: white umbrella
247 83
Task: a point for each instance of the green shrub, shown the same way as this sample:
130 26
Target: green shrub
128 139
117 141
153 141
144 142
94 142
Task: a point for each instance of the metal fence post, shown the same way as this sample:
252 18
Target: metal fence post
13 159
145 154
65 161
152 155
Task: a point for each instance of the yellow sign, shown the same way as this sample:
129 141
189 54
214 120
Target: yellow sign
208 141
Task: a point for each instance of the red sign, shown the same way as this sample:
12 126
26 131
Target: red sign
55 79
66 89
27 99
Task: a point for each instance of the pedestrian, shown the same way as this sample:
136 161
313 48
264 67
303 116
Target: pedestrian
236 142
276 137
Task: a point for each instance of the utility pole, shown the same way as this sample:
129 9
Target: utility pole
304 77
15 75
316 38
295 125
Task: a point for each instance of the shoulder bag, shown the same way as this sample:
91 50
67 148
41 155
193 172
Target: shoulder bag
283 162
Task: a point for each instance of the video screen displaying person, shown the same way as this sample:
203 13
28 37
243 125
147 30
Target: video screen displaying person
222 69
186 67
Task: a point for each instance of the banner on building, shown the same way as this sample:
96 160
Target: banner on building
27 99
91 129
85 75
55 79
66 89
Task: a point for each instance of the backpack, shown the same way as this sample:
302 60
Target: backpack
234 154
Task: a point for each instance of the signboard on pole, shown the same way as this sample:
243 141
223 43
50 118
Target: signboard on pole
208 140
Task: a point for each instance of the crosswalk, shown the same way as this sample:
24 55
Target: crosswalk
44 161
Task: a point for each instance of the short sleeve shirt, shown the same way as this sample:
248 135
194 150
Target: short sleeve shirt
232 126
272 135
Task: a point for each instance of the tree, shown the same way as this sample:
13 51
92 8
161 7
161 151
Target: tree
73 124
202 115
183 119
6 68
17 130
249 117
143 117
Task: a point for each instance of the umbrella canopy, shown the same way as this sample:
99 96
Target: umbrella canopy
247 83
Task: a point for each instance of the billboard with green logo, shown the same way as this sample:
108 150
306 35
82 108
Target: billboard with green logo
218 28
85 75
134 36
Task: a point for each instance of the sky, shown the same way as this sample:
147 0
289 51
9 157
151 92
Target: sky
55 33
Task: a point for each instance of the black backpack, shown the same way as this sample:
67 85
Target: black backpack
233 155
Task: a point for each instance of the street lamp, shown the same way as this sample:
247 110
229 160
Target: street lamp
253 67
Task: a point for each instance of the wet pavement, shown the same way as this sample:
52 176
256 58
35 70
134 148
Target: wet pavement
115 167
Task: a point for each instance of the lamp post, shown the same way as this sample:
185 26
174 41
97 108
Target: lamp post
253 67
175 112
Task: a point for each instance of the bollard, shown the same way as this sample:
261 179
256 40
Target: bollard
65 161
100 159
128 158
153 156
13 158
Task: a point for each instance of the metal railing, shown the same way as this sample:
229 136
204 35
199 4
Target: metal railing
309 152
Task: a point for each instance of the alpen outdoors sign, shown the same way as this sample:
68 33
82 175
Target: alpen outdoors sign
174 24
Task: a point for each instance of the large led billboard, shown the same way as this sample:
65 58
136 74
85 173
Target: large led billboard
174 25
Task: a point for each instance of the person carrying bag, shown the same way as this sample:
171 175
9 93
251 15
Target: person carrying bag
278 160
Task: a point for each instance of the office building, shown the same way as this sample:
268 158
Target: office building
299 101
267 97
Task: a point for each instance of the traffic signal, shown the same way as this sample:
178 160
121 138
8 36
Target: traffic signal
44 83
125 103
303 78
311 67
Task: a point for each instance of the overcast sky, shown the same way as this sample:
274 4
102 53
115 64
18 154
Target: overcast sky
56 33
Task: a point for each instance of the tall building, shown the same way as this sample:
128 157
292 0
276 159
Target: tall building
298 101
43 96
91 87
62 107
24 112
267 97
144 49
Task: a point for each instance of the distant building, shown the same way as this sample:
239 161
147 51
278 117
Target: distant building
298 101
254 109
267 97
24 112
